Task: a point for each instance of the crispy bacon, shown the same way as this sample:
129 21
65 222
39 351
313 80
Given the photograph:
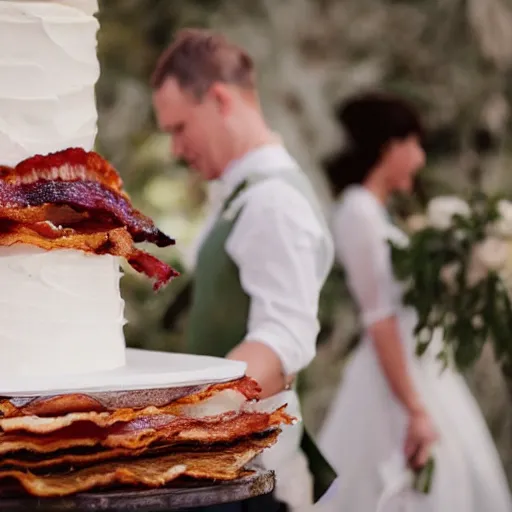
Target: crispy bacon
89 196
60 405
69 165
57 215
147 430
74 199
80 457
140 472
97 445
192 406
247 386
117 242
50 406
226 464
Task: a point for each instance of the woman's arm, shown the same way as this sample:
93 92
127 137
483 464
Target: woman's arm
421 432
390 352
362 245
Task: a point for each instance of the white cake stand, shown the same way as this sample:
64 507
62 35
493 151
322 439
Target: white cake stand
144 370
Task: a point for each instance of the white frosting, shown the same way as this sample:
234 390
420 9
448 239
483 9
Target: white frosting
49 68
60 311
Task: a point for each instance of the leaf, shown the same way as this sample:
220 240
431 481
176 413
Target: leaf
442 357
421 347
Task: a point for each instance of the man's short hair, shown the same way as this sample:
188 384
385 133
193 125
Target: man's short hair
198 58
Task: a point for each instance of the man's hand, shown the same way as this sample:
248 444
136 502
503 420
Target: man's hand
263 365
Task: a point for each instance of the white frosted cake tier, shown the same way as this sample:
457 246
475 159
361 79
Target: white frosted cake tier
61 312
49 68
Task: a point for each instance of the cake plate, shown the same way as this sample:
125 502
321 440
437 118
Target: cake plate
182 497
144 369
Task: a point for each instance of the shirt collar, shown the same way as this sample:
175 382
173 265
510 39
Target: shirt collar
262 160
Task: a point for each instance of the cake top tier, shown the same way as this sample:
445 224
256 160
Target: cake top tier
49 69
88 7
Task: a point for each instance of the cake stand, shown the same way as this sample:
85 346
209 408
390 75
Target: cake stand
183 497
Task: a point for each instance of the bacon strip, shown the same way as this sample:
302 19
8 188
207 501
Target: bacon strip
147 430
117 242
74 199
60 405
246 386
134 473
227 464
88 196
75 459
59 215
69 164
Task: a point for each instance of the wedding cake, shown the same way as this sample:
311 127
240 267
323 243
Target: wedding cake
87 411
61 312
59 309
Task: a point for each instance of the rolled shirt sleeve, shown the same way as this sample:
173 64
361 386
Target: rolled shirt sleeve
282 253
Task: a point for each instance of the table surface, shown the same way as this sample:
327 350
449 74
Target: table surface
155 500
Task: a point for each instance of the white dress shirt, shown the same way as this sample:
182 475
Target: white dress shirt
283 253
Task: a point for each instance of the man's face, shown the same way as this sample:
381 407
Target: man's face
198 128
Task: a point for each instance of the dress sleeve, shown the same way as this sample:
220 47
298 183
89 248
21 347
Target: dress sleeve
364 252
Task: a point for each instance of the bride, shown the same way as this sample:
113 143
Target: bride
393 409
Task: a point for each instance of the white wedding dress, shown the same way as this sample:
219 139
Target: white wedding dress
364 432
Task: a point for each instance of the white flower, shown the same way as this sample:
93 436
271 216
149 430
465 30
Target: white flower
459 235
477 321
416 223
441 210
424 336
492 253
503 226
450 318
449 273
506 271
488 256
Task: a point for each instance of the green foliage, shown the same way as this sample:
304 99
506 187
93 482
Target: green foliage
469 313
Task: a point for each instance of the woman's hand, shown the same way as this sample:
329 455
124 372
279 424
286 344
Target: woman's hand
421 435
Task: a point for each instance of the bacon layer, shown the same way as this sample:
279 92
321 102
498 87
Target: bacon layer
46 425
148 430
88 196
68 165
74 199
225 464
61 405
95 446
80 457
116 241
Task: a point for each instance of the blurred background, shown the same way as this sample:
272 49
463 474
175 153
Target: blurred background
453 58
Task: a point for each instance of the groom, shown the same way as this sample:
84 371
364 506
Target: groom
265 254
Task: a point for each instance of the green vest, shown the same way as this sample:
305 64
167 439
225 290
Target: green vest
220 307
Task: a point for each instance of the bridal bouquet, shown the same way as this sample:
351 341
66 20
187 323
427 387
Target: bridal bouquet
457 270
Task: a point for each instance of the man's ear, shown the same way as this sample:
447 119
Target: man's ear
222 97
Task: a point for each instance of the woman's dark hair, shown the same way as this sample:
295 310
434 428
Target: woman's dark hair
370 121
